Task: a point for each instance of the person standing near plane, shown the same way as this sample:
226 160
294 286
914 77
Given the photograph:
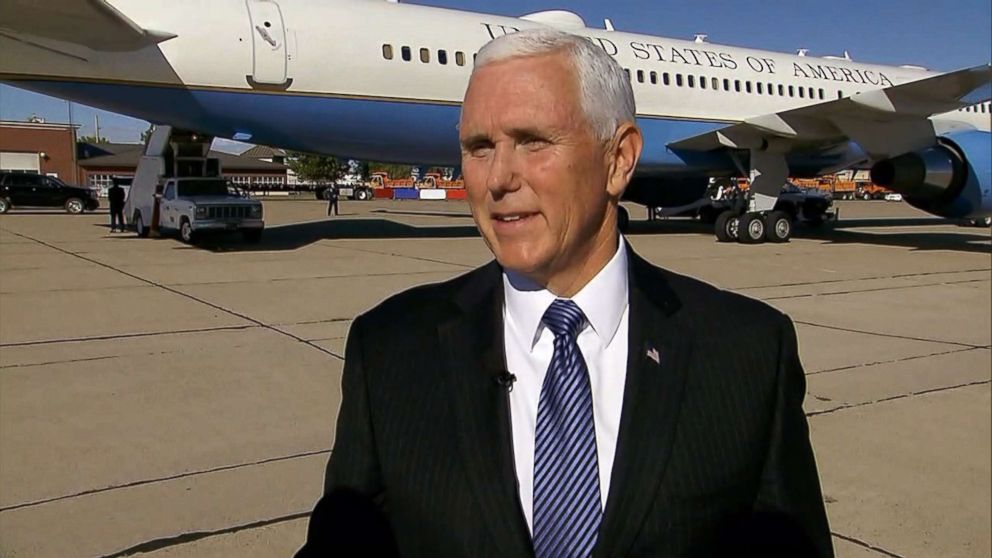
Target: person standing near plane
116 197
569 399
332 199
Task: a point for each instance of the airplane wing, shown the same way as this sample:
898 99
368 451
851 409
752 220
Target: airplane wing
91 23
885 122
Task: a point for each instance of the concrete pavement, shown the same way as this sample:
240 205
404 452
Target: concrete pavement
164 400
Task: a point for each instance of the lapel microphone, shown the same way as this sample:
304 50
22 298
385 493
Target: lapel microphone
505 380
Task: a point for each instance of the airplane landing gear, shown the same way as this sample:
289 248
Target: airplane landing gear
753 227
727 226
778 226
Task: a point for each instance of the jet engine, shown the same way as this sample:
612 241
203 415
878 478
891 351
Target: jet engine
951 179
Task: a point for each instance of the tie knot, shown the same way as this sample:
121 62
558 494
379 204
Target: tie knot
564 317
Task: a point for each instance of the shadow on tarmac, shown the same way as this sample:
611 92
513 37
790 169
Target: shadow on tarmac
294 236
965 239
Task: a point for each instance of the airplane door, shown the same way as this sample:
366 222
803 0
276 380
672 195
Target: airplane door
268 44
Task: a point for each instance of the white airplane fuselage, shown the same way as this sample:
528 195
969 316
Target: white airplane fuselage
384 81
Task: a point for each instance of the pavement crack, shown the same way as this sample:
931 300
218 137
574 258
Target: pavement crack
896 398
163 479
126 336
186 538
890 335
896 360
876 289
175 291
874 278
865 545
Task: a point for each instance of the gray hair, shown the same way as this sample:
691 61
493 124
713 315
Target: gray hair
607 97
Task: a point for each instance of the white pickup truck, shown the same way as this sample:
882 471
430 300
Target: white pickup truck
194 206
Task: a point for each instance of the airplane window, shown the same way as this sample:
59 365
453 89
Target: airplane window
666 79
640 76
758 85
747 86
983 109
627 71
678 80
812 94
405 53
425 55
771 89
460 58
654 78
840 94
737 85
387 52
692 80
792 91
715 84
802 94
781 90
442 56
726 84
702 82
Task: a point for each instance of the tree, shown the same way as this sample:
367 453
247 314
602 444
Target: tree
93 139
316 168
392 169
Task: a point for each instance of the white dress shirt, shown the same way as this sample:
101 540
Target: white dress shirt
529 345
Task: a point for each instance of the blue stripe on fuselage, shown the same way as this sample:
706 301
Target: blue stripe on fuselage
369 129
377 130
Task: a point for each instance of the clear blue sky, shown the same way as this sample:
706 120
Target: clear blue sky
942 35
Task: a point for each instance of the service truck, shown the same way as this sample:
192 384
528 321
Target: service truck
178 189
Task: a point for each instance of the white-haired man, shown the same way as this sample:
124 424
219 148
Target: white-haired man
570 399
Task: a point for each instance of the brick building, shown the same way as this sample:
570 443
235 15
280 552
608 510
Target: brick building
39 148
100 162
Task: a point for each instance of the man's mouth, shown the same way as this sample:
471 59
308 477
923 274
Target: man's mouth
512 217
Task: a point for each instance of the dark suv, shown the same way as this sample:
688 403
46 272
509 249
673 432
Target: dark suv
35 190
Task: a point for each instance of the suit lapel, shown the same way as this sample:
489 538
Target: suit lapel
656 364
473 341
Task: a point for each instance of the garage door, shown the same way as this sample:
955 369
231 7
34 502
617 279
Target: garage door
24 162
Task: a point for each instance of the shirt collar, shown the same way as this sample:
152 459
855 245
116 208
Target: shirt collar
603 300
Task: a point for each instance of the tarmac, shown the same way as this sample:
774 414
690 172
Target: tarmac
158 399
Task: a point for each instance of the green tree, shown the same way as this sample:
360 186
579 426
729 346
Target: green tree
392 169
320 169
93 139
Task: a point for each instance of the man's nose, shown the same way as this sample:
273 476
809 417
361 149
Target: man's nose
503 176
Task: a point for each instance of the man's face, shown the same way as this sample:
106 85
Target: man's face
536 176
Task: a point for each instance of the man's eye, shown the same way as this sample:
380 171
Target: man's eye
534 143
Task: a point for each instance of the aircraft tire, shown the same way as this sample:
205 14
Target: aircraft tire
778 227
751 229
727 226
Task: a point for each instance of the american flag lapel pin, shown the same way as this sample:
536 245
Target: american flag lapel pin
653 355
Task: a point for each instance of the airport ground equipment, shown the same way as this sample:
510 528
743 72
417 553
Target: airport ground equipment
178 189
348 191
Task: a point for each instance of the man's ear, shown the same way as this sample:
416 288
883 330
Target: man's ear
623 152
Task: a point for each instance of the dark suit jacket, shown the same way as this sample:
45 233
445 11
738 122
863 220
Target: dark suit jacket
710 435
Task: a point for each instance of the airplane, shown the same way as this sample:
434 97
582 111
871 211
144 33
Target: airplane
314 75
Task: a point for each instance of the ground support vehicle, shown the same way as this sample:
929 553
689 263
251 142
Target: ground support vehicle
178 189
359 192
34 190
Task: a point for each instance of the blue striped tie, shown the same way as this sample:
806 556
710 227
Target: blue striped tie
566 472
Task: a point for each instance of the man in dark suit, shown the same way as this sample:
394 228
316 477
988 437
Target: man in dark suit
116 197
569 399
